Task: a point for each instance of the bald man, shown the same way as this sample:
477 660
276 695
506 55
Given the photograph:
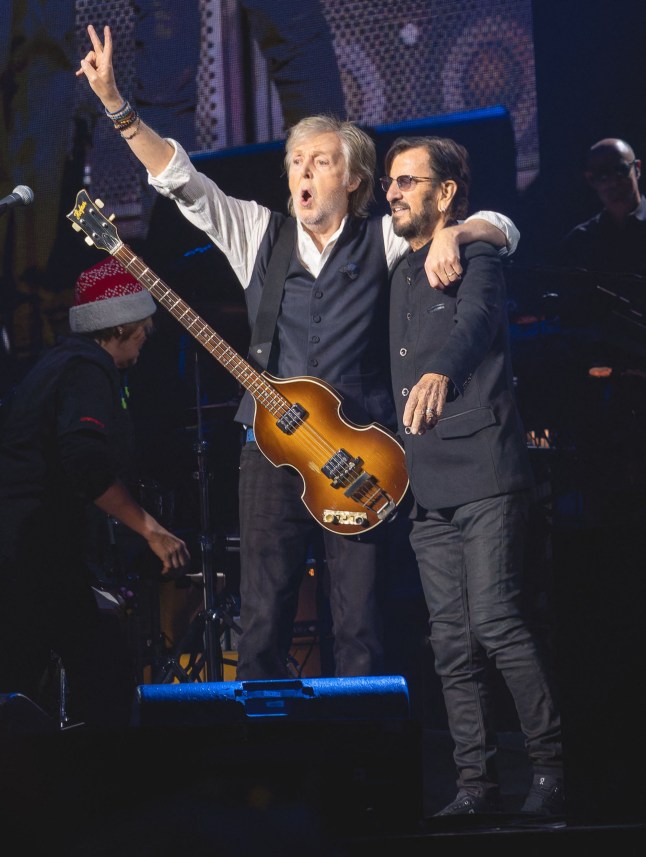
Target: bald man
614 240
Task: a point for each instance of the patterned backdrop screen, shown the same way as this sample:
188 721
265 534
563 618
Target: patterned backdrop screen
217 74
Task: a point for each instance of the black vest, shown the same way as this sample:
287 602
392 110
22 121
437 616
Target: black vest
334 327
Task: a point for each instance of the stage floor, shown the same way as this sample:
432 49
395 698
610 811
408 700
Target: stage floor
290 789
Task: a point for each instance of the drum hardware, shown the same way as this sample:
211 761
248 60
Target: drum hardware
545 438
202 640
217 411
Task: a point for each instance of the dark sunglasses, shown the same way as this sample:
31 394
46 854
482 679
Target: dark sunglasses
620 171
405 182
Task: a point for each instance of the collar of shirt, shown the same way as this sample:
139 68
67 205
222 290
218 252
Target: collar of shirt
638 214
308 253
640 211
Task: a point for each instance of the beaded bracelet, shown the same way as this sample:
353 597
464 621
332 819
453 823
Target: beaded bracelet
118 114
123 118
135 130
128 120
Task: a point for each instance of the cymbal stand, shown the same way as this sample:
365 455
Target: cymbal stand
202 639
212 649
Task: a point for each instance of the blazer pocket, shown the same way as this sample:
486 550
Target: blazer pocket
435 308
465 424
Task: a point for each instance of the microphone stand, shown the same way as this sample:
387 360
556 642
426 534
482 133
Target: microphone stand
202 638
212 648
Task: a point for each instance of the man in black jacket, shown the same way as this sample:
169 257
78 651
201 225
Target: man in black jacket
65 446
470 477
614 240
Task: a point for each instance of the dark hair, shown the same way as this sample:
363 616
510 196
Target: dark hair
119 331
449 160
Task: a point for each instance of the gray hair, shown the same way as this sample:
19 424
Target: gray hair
358 151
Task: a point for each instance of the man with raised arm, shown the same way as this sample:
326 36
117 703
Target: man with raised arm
331 323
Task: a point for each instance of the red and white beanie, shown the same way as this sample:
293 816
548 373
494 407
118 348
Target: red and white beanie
107 295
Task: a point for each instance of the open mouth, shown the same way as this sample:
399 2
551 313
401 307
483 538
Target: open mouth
306 196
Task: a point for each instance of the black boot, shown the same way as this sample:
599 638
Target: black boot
546 796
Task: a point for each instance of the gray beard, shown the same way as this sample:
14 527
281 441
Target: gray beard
418 225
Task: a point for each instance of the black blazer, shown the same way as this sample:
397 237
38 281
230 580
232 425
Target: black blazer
478 447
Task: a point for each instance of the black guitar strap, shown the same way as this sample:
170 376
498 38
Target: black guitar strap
264 329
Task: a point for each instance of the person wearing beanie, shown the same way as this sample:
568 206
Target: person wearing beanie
65 447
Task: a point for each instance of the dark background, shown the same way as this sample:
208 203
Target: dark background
590 67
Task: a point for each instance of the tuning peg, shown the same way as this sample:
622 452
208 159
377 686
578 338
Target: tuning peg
76 227
99 203
111 217
89 241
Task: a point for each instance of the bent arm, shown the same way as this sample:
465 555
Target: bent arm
119 503
235 226
495 228
443 266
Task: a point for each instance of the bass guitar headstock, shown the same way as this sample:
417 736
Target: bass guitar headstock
99 230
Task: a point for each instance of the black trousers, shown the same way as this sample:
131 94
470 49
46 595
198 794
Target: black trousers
470 561
276 530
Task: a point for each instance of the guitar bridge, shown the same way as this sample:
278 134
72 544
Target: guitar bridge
291 420
345 518
366 491
341 467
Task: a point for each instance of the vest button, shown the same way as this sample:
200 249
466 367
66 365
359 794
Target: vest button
318 293
405 391
409 315
316 318
316 339
314 362
403 352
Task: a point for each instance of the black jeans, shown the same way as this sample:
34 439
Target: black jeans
470 561
275 532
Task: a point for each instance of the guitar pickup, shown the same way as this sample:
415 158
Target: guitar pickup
341 467
291 420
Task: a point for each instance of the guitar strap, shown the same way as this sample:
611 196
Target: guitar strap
264 329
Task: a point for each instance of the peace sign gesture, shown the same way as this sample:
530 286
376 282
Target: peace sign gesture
97 68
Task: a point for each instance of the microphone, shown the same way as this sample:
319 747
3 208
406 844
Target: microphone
22 195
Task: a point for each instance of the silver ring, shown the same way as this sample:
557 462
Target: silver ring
430 410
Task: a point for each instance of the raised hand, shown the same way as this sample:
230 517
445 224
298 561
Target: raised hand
97 68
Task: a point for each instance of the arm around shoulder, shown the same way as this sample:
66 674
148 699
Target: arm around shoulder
443 264
497 229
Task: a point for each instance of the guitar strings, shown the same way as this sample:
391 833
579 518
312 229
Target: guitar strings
277 404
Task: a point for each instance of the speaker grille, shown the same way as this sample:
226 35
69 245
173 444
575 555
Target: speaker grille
408 59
